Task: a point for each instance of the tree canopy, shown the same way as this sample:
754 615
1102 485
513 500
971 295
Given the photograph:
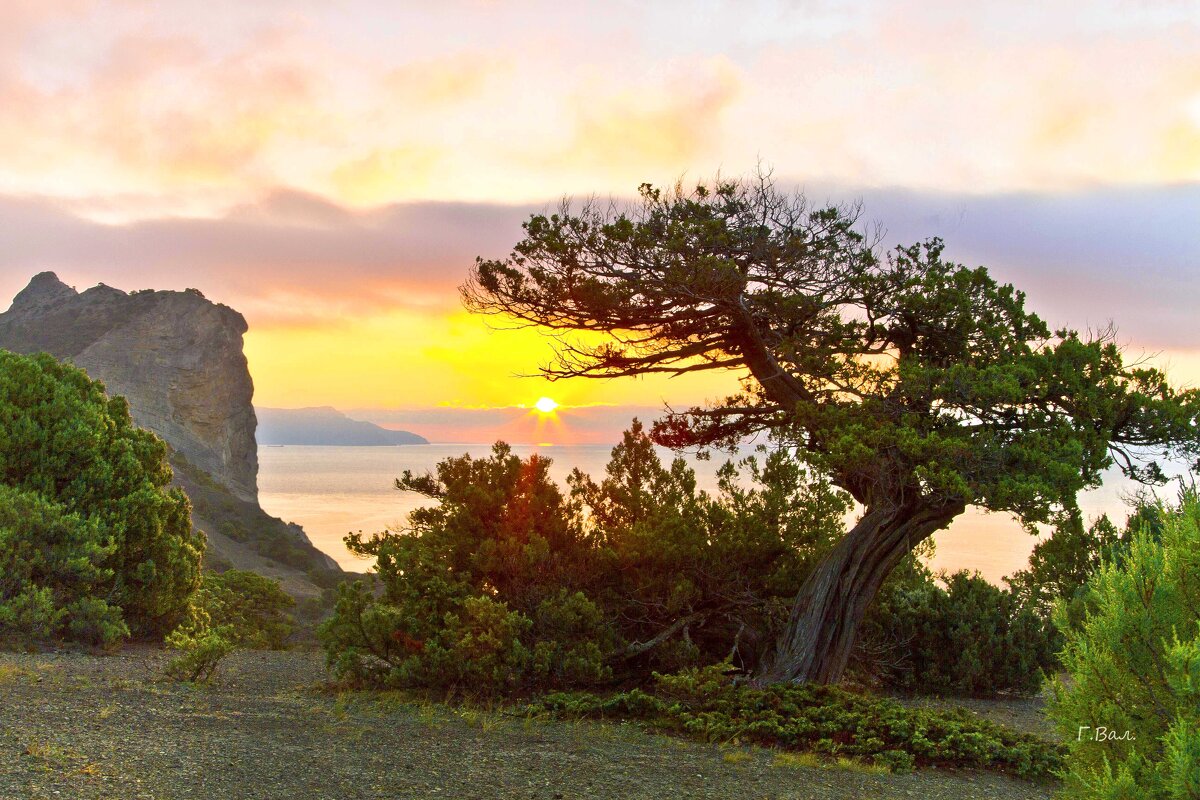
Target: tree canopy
94 543
918 385
638 570
509 583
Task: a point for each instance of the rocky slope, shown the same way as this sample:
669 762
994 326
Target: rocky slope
177 358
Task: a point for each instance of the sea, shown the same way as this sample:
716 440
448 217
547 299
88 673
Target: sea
332 491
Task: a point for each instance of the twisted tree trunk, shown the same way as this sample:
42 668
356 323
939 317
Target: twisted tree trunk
823 626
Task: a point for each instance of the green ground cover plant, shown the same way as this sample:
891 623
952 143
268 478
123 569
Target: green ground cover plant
255 608
825 720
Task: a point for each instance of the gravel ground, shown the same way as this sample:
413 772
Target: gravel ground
81 727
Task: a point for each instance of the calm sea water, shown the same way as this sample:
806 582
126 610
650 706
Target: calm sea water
335 490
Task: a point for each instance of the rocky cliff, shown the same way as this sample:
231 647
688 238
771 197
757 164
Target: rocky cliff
175 356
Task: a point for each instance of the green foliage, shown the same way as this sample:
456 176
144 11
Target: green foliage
201 648
86 512
572 642
478 649
51 568
362 638
969 638
918 385
638 571
704 704
1060 565
1055 586
641 572
252 607
31 615
92 621
230 610
1131 710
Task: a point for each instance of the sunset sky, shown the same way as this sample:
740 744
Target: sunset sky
331 170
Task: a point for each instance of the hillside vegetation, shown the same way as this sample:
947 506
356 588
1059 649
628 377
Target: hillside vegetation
244 531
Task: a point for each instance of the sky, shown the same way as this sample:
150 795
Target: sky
332 170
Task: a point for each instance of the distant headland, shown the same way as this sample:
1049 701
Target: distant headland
325 426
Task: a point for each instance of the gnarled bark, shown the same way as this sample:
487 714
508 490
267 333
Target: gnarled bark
832 601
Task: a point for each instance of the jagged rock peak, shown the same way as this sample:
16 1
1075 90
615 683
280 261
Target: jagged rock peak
44 290
175 356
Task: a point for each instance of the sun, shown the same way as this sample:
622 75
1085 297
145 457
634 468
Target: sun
545 405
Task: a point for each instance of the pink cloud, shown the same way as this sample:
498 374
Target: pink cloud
288 246
1087 257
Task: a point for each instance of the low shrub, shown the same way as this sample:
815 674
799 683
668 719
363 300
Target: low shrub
201 649
480 647
706 705
254 608
970 637
95 543
603 583
365 639
641 572
230 610
572 641
51 561
92 621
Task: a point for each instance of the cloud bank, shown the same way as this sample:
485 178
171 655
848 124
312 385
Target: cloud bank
198 104
1130 255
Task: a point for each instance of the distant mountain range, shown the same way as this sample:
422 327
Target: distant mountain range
324 426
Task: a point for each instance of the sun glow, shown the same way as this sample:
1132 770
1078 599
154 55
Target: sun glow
545 405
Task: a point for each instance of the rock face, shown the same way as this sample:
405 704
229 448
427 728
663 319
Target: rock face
175 356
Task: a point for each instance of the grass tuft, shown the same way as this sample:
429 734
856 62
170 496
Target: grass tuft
808 760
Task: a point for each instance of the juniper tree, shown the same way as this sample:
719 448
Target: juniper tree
918 385
90 527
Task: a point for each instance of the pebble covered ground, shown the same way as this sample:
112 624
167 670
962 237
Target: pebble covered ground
75 726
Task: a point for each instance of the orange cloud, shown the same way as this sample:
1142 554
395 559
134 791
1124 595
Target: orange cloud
671 124
158 112
502 102
394 172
